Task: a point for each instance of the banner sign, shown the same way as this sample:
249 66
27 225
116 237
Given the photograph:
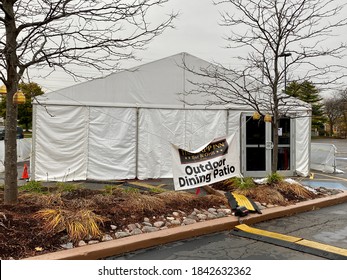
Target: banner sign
213 162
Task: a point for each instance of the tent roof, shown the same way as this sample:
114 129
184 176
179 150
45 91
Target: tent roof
158 84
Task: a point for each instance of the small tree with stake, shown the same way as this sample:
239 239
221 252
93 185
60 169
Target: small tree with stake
277 35
62 34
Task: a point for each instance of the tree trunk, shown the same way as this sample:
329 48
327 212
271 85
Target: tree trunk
331 128
275 125
11 190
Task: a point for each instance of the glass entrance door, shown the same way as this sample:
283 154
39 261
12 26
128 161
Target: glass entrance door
257 147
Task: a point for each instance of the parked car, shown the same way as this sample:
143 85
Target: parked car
20 133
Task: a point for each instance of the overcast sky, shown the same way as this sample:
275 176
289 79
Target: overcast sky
196 32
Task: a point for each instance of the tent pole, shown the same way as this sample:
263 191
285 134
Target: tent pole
137 144
33 144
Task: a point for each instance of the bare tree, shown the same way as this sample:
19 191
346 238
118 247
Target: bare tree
342 95
334 111
277 36
63 33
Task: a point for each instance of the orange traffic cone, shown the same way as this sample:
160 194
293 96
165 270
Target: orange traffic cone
25 174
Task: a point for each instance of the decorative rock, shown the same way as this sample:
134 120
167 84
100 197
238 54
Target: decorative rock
202 217
159 224
182 213
113 227
193 213
136 231
147 224
146 220
176 222
170 218
163 228
131 227
68 245
121 234
82 243
220 215
197 211
211 216
189 221
91 242
138 225
193 217
224 211
212 210
107 237
175 214
149 229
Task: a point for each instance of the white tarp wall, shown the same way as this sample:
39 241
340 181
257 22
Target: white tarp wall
302 145
61 145
79 143
323 157
23 151
112 143
106 143
188 129
99 143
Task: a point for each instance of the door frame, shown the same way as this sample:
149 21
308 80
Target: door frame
268 149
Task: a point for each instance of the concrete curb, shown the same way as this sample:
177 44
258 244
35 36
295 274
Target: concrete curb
146 240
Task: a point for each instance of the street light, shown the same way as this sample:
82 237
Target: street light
285 55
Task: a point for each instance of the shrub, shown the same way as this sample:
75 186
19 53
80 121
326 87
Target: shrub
274 178
34 187
66 187
110 189
243 183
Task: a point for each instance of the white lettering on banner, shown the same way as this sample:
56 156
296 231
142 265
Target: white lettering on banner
193 169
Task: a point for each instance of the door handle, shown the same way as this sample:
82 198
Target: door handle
269 145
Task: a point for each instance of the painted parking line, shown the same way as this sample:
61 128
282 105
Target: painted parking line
333 177
291 242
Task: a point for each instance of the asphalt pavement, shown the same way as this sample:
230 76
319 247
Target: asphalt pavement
327 226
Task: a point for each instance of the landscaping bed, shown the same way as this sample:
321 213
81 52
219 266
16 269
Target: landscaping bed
48 219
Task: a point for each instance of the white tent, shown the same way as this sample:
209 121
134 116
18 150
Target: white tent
121 126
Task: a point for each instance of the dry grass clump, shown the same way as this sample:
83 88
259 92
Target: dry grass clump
225 185
143 203
42 200
294 191
264 194
185 200
78 225
174 198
